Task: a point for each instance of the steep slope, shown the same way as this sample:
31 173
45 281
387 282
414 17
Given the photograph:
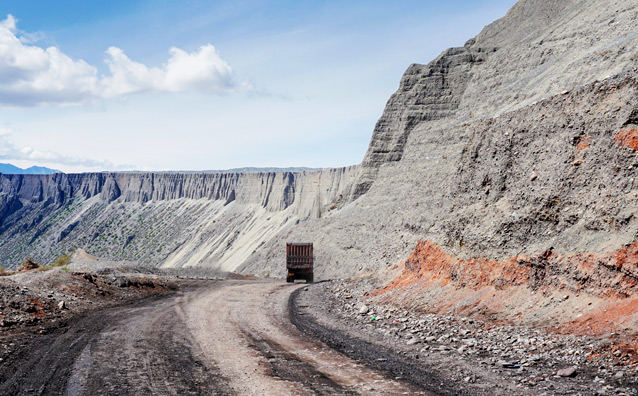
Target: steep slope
540 48
426 93
520 204
174 219
463 180
520 141
550 175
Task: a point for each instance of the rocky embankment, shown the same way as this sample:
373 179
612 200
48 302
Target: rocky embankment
35 299
517 142
482 354
556 175
583 294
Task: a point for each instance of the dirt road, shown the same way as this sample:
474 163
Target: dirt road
224 337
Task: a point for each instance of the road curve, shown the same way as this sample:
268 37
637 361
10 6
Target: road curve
228 337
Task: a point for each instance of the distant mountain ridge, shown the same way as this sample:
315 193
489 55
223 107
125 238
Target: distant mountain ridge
250 169
9 169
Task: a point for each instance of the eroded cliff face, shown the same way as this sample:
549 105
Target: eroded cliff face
520 141
172 219
508 145
426 92
539 49
549 175
529 217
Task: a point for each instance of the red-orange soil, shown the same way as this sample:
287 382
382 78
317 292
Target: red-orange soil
581 293
627 137
583 142
611 274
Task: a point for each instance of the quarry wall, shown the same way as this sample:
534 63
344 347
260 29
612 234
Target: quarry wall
519 141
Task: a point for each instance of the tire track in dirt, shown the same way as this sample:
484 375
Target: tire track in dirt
230 337
141 347
151 351
245 329
288 367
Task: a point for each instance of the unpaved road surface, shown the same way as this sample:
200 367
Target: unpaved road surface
222 337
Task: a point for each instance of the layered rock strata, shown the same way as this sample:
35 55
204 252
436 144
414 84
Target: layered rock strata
213 219
520 141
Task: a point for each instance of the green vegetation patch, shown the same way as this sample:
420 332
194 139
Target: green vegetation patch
61 261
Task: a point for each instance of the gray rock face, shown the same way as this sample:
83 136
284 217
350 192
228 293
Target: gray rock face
540 48
562 206
110 191
174 219
501 147
467 187
271 190
426 92
528 104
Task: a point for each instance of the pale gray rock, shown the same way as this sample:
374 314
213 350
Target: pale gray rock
451 159
567 372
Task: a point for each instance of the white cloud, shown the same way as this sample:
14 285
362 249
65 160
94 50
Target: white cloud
30 75
12 152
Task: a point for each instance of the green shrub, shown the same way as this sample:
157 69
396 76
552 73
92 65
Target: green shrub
61 261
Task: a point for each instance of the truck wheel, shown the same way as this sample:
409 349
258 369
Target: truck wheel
289 279
309 279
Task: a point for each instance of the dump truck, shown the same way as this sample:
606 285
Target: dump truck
299 262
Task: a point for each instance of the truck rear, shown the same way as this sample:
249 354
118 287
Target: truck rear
299 262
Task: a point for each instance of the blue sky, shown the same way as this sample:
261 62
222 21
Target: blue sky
247 83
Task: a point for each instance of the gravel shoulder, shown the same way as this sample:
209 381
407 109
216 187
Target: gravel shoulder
465 356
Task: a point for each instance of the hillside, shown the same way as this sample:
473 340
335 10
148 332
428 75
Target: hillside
518 142
173 219
523 140
486 244
500 181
